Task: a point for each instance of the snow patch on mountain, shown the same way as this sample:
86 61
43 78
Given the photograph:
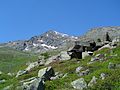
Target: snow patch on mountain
35 45
49 46
63 35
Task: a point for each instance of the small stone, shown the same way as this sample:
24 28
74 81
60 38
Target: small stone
111 65
102 76
65 75
83 73
92 82
94 59
2 81
21 72
78 69
0 72
90 63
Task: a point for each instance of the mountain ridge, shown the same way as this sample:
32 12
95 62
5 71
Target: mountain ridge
51 39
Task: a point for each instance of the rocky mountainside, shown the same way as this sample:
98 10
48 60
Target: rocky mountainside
99 33
52 40
48 41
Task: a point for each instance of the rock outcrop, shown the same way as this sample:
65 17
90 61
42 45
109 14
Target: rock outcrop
46 73
79 84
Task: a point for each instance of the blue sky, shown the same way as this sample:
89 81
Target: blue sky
21 19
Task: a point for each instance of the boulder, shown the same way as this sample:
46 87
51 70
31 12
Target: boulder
98 57
34 84
102 76
94 59
2 81
105 46
117 65
90 63
51 59
84 54
54 78
111 65
92 82
1 72
10 74
79 84
46 73
64 56
65 75
78 69
83 73
21 72
32 65
59 75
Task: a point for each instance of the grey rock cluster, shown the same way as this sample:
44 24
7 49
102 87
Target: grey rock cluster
60 57
38 83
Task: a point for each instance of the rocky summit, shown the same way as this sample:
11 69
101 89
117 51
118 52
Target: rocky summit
50 40
57 61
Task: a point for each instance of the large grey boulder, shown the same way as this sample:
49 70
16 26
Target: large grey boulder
46 73
79 84
84 54
92 82
51 59
64 56
105 46
57 76
34 84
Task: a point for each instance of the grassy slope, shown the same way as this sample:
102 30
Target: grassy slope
12 60
112 81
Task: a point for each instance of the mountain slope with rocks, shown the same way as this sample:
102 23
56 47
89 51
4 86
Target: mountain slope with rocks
54 69
50 40
99 33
